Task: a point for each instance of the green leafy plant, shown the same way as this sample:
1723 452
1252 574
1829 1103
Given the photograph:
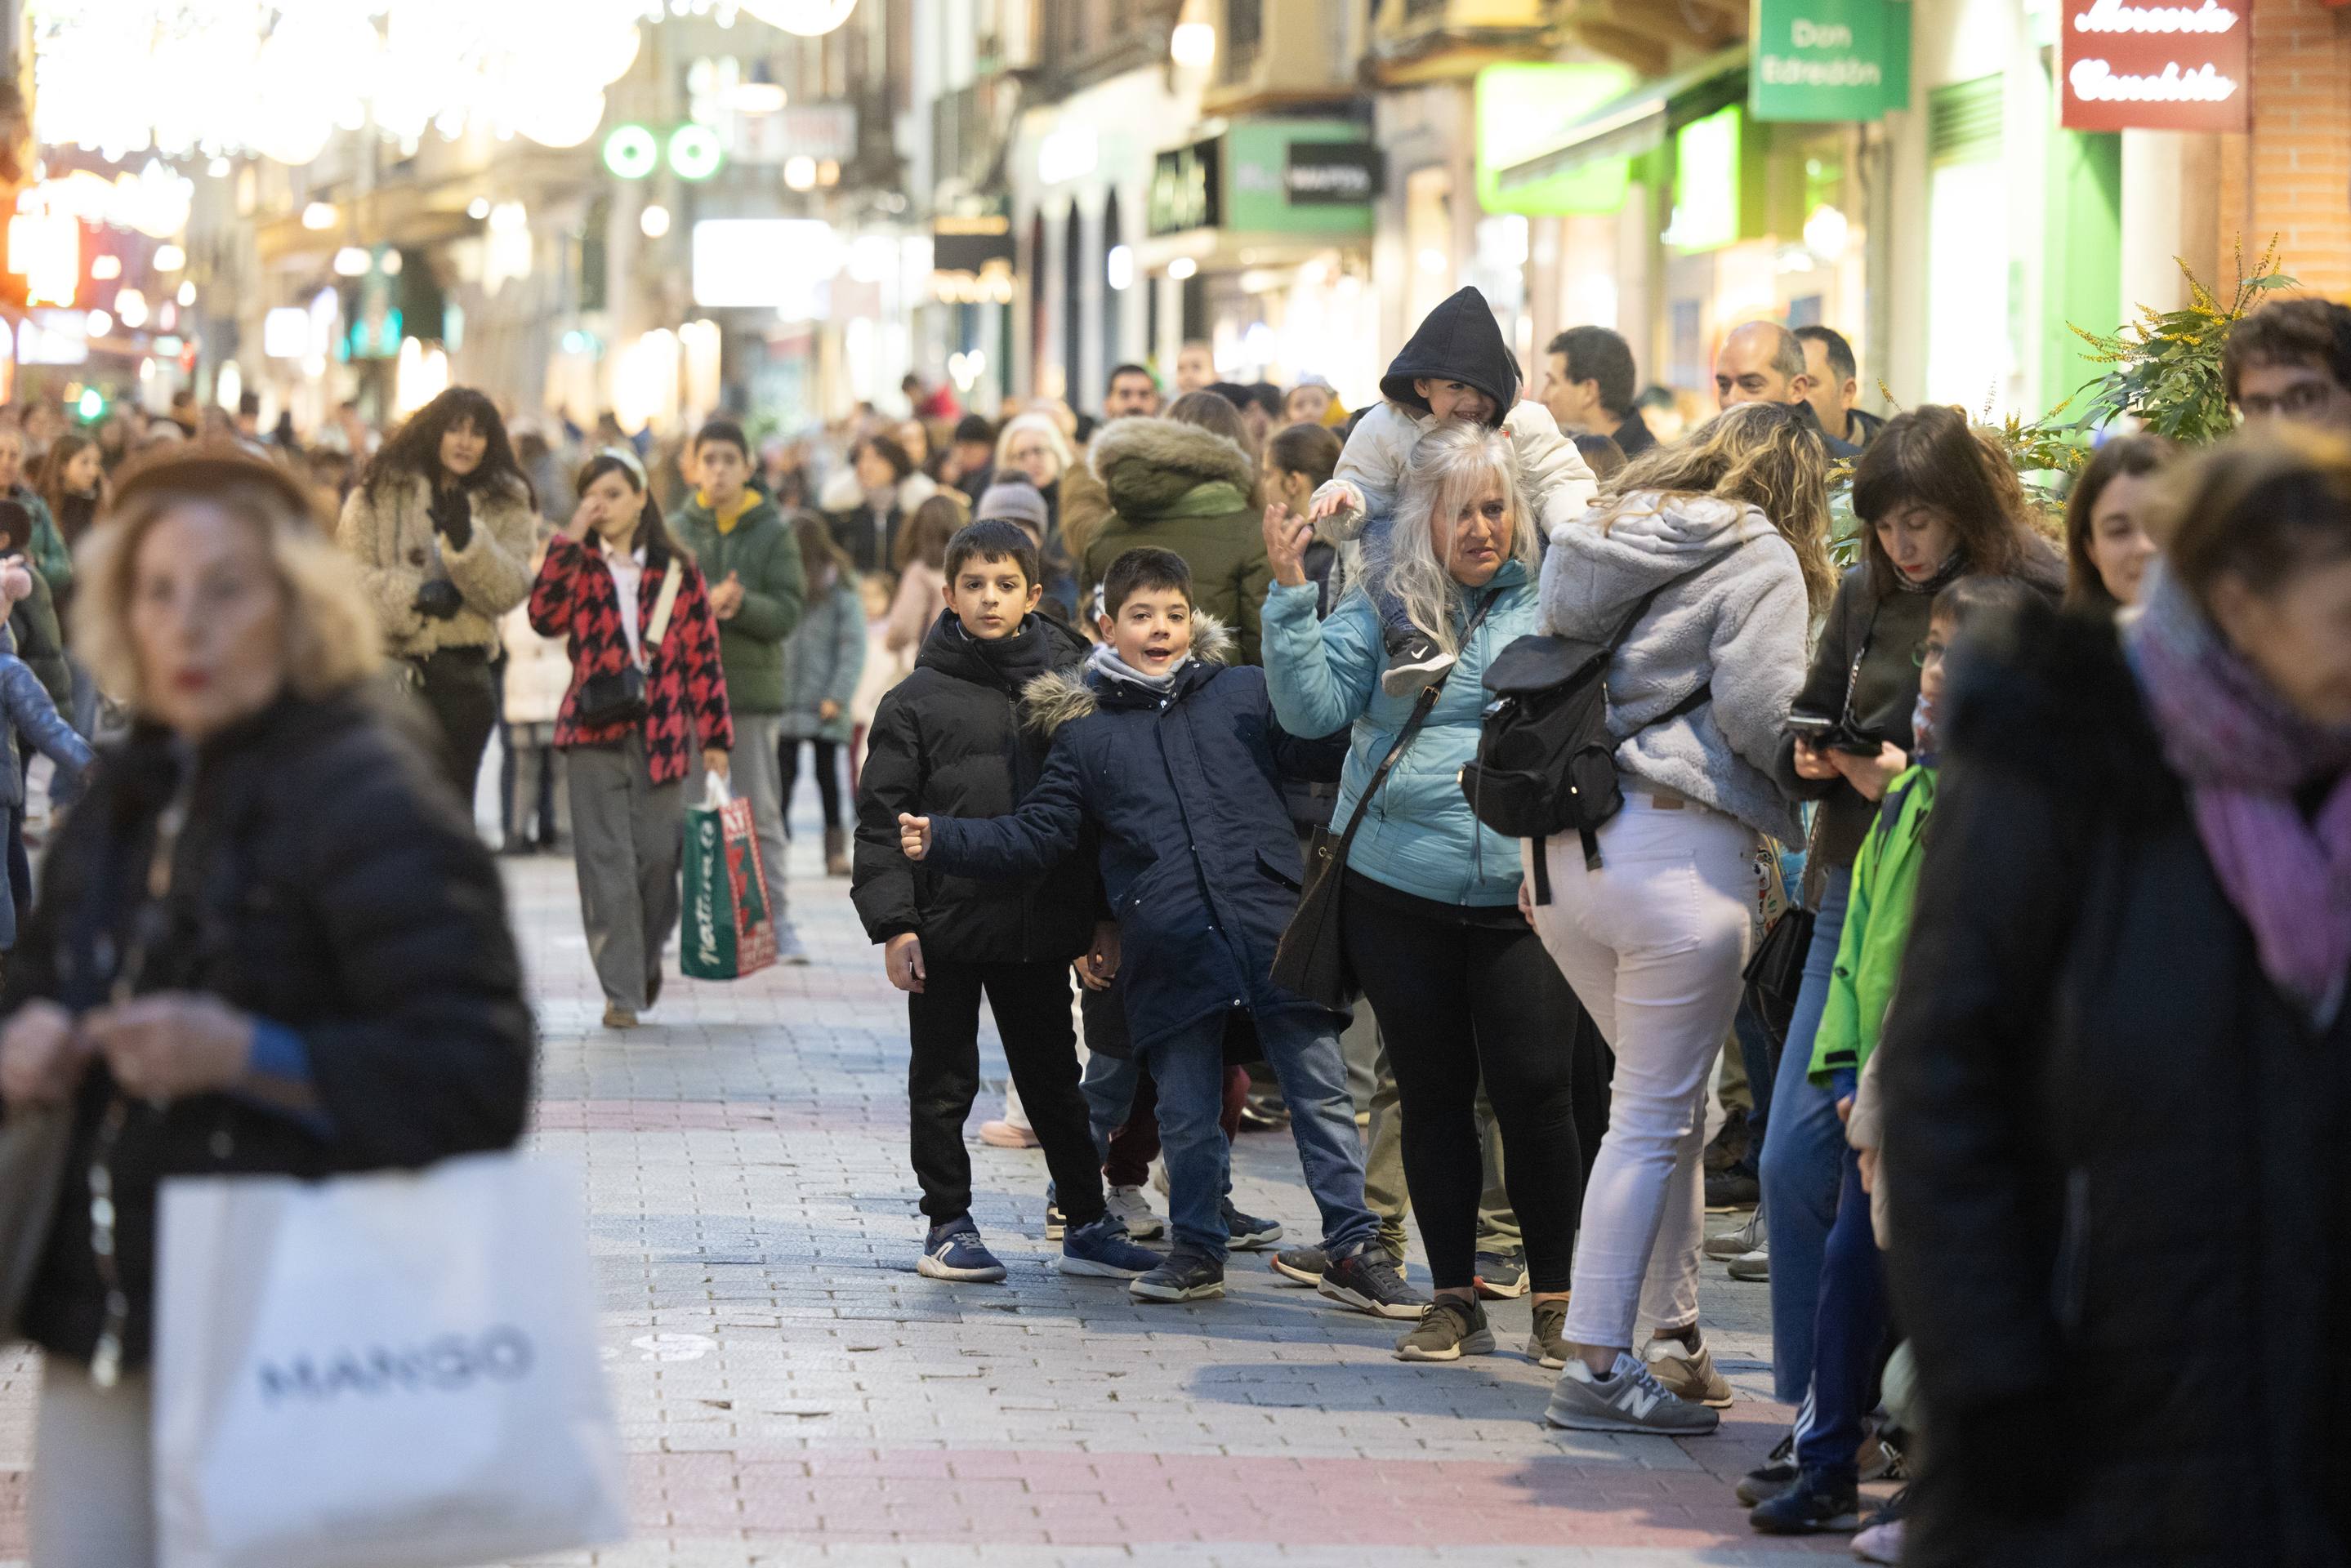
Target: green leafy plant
2167 364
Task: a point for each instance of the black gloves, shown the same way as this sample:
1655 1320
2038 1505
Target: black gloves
438 599
453 517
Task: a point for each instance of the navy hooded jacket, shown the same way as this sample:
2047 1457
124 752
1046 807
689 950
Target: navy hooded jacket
1198 856
1458 341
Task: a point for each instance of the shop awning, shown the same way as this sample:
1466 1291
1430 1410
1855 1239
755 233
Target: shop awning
1641 120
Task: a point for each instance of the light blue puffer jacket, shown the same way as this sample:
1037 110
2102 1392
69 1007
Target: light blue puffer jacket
1418 835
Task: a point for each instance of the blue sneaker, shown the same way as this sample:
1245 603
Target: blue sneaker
1103 1250
955 1251
1249 1233
1184 1276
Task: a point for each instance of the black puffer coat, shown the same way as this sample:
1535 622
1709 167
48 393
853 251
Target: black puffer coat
324 882
1198 856
948 741
2115 1159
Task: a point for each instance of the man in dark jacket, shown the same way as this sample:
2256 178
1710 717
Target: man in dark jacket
949 738
1589 387
1176 762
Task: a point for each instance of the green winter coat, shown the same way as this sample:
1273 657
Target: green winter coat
1876 927
760 553
46 549
1186 489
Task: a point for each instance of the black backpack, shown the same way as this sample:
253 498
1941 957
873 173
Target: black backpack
1546 764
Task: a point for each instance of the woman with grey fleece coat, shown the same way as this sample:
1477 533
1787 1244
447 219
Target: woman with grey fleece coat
1713 551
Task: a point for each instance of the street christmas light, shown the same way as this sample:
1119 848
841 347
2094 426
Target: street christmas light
170 258
630 152
695 152
799 172
187 295
479 207
654 221
319 217
105 268
350 262
130 307
99 323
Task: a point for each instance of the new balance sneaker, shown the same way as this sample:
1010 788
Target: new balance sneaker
1414 661
955 1251
1627 1400
1501 1276
1135 1210
1738 1241
1183 1275
1103 1250
1687 1369
1450 1328
1547 1346
1301 1265
1777 1473
1752 1266
1368 1280
1817 1502
1248 1233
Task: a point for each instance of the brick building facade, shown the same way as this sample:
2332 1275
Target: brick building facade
2291 175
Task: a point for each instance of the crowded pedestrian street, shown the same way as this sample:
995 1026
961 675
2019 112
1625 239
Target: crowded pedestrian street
791 1391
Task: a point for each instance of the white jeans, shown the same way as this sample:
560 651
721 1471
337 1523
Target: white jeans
1653 943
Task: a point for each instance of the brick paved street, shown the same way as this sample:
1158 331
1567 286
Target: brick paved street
791 1391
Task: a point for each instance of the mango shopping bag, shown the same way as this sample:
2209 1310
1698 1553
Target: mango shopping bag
386 1371
728 931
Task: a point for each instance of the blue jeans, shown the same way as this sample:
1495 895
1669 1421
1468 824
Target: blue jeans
1302 1049
1803 1157
1110 1084
1850 1322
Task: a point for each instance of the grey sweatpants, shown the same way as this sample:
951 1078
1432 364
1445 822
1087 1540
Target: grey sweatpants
628 834
756 773
93 1502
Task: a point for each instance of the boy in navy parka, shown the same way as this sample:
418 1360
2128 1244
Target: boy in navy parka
1175 760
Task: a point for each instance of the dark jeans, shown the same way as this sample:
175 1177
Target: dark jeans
1847 1330
1762 1066
20 868
827 778
1031 1003
1133 1143
464 703
1441 979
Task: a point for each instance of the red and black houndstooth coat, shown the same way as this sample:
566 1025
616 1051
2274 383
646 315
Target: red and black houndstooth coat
685 689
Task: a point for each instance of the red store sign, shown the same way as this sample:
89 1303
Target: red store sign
2181 66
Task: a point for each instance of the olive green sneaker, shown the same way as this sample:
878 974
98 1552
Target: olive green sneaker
1450 1328
1547 1346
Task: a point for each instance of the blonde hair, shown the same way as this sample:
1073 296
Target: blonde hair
1450 467
332 641
1760 454
1043 424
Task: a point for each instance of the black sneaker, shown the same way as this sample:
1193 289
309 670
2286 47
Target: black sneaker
1301 1265
1185 1276
1414 661
1814 1504
1248 1233
1733 1188
1369 1282
1501 1276
1777 1474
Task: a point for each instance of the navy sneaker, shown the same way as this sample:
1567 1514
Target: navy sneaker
1184 1276
1103 1250
1369 1282
1249 1233
1501 1276
1302 1265
1817 1502
955 1251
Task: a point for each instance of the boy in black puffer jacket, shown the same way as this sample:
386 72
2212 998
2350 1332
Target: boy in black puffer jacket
1176 761
949 738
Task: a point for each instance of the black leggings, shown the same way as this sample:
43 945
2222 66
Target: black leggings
1459 993
827 780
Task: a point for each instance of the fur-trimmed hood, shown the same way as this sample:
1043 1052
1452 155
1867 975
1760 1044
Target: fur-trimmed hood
1059 696
1148 464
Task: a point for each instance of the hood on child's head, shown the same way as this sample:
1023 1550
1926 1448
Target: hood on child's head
1459 341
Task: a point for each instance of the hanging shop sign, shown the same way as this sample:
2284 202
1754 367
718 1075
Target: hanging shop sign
1273 176
2177 67
1829 60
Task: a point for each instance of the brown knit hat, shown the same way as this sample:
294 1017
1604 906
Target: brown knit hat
195 467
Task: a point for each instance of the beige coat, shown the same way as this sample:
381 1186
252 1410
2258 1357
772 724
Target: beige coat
391 538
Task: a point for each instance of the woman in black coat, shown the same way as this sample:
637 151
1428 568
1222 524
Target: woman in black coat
2118 1064
270 943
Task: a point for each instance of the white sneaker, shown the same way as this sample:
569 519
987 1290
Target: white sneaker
1130 1205
1159 1177
1629 1399
1738 1243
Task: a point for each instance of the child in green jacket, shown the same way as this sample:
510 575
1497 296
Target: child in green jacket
1851 1317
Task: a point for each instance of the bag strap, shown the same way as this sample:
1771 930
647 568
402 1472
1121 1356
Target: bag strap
658 630
1421 708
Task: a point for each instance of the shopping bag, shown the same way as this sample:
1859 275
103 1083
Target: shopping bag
384 1371
728 931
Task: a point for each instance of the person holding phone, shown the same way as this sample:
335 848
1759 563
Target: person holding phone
1938 502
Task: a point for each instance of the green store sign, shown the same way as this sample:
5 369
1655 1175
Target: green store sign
1828 59
1273 176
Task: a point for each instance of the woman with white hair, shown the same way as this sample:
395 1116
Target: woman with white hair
1032 446
1433 927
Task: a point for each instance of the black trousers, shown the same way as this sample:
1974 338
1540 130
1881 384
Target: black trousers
1459 993
465 703
1031 1003
828 776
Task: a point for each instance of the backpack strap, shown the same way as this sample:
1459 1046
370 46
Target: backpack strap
658 630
